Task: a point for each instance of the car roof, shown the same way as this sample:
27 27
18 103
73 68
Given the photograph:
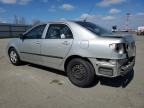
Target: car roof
60 21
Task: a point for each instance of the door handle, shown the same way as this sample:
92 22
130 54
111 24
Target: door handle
65 43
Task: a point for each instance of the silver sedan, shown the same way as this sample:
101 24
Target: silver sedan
82 49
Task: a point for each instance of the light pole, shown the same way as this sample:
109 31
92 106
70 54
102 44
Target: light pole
127 20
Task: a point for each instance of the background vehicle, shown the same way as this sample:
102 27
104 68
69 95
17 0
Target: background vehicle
82 49
140 30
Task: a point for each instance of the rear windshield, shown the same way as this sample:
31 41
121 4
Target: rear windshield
94 28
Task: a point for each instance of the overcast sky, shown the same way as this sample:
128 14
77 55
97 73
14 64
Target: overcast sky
104 12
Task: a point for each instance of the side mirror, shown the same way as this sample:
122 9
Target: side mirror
62 36
21 36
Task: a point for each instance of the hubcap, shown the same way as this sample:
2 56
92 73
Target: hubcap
13 56
78 72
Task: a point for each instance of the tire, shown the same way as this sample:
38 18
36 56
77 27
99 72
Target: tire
80 72
14 57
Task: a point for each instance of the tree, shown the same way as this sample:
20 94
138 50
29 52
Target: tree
16 19
22 20
19 20
36 21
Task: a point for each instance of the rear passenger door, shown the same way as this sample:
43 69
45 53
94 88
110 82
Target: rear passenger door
56 44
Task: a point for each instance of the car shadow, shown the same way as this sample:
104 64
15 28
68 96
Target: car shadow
121 81
48 69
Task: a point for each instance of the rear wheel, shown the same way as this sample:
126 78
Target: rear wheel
14 57
80 72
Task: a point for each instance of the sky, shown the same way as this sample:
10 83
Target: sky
102 12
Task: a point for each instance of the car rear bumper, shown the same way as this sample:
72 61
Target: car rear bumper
113 68
126 68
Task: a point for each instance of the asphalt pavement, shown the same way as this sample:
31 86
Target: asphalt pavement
32 86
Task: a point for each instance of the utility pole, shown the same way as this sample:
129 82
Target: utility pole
127 21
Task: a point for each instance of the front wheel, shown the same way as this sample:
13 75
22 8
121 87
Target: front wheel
14 57
80 72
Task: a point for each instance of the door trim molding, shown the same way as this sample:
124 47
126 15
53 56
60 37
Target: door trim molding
42 55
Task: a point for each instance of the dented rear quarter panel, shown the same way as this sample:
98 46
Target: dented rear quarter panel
87 44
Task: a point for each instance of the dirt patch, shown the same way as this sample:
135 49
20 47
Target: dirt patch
55 81
1 57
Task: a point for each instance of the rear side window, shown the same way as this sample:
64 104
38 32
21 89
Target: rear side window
56 30
35 33
100 31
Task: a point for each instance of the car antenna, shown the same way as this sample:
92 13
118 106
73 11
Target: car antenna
90 10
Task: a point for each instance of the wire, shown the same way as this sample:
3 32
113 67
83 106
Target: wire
90 11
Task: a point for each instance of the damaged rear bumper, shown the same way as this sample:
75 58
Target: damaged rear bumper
113 68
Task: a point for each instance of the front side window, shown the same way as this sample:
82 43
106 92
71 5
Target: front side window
35 33
55 31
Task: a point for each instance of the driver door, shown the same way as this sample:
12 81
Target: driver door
31 45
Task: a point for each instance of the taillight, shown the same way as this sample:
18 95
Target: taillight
118 47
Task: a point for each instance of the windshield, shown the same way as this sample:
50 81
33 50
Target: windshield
94 28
